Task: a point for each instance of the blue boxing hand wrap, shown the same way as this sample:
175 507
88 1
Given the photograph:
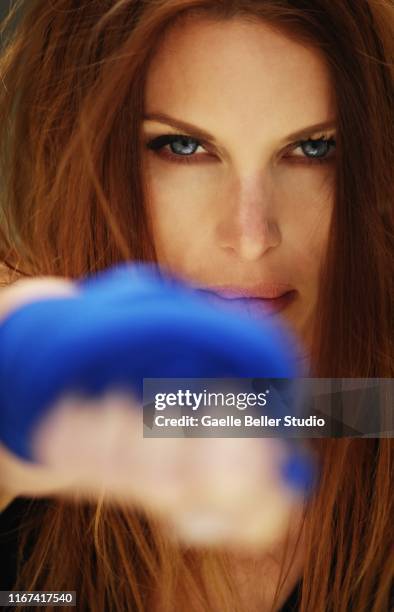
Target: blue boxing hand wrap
125 324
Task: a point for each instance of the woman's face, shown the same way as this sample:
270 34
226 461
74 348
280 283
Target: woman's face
238 196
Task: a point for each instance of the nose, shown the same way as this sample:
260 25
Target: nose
248 227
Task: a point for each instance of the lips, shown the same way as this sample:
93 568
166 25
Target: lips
259 291
254 306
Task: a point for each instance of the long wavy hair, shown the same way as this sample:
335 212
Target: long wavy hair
72 202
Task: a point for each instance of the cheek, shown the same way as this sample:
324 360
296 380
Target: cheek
308 199
307 195
181 201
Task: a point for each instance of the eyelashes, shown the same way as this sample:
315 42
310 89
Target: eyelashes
316 149
181 148
180 144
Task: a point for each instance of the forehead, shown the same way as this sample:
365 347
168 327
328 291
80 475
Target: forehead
205 71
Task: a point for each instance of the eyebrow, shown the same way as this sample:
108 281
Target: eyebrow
201 134
191 129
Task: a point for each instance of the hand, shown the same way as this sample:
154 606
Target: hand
95 447
225 491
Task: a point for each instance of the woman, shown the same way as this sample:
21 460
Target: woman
268 126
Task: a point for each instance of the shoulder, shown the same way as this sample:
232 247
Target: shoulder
5 499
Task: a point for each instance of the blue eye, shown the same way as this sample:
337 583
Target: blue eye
184 146
178 145
317 149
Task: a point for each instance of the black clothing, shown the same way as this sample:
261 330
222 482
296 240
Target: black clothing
9 522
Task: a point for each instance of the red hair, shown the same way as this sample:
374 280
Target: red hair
72 202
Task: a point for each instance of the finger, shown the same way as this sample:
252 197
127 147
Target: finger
240 497
93 441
